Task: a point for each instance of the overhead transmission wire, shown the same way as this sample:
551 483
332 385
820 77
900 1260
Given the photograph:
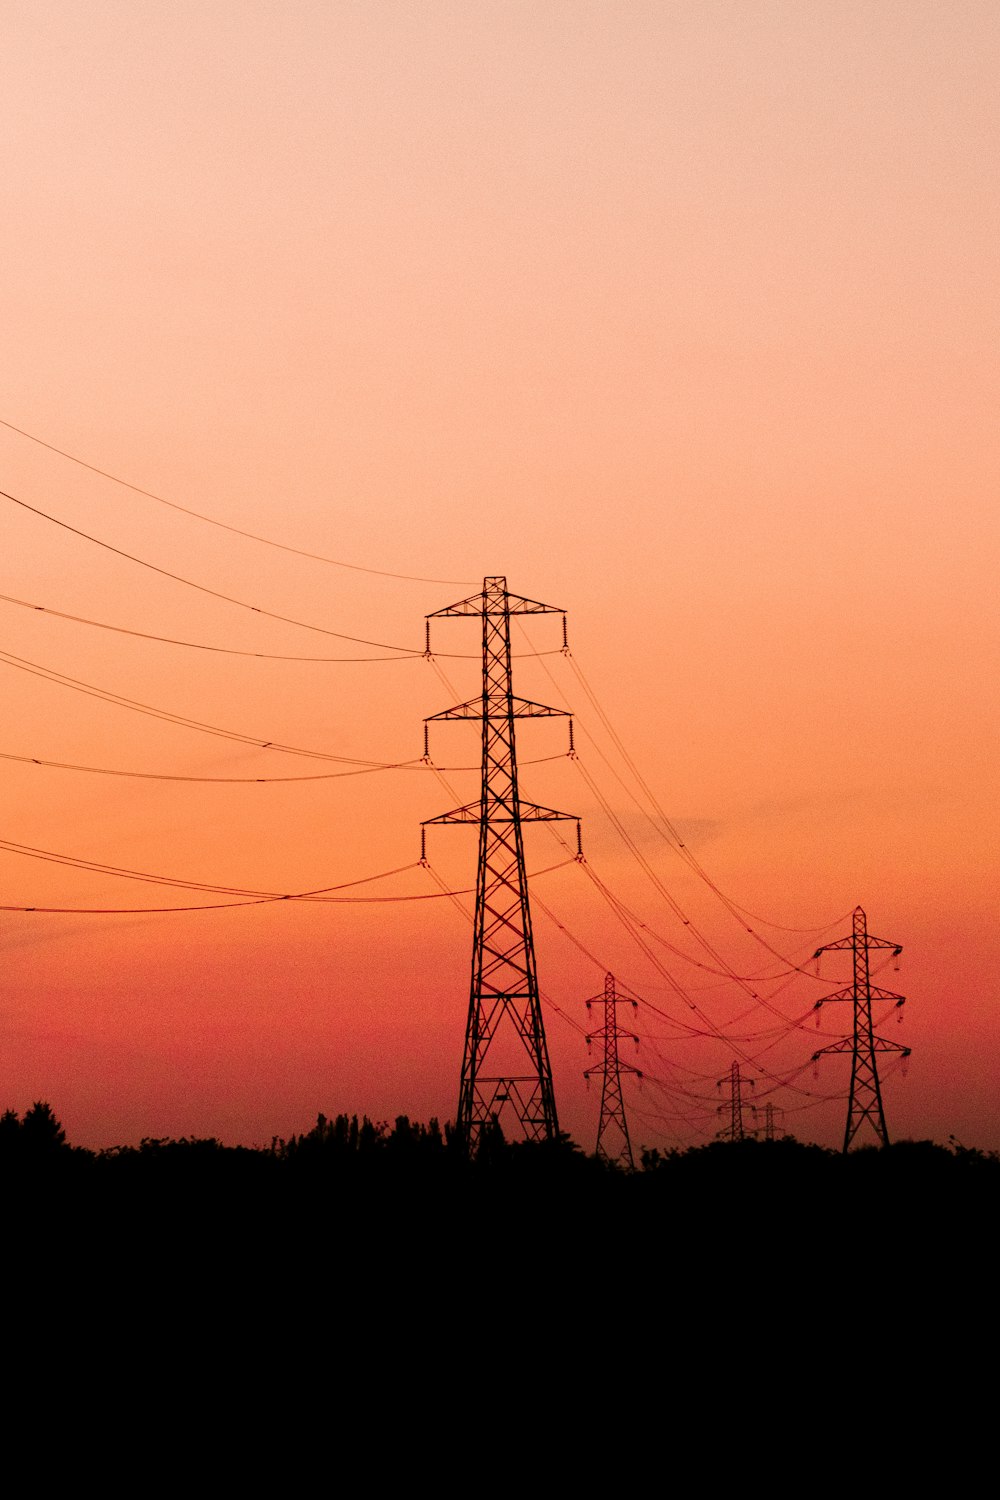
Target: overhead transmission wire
685 1030
726 1033
788 976
146 635
640 857
717 1031
555 833
63 680
257 609
62 765
404 651
672 981
672 835
123 872
788 1024
662 1124
322 894
630 922
714 1030
202 587
791 971
223 525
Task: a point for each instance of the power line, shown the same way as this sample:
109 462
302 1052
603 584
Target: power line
669 899
222 525
716 1031
118 911
257 609
48 674
62 765
320 896
787 1026
99 867
672 836
364 770
202 587
146 635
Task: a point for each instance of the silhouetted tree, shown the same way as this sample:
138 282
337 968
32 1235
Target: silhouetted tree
41 1132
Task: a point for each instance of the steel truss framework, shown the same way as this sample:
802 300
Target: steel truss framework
613 1142
865 1101
735 1131
769 1114
505 1064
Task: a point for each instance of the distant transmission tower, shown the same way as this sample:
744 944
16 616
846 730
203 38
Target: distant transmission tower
736 1084
865 1102
506 1062
613 1143
769 1113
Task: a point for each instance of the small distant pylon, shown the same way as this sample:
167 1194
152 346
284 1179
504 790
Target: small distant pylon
769 1114
865 1101
736 1083
613 1142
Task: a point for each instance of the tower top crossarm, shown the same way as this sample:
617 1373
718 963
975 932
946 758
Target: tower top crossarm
495 600
859 928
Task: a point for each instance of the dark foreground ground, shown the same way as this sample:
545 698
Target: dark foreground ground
378 1261
350 1183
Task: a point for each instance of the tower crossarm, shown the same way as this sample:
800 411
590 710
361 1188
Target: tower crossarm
874 992
521 708
845 944
526 812
879 1044
482 604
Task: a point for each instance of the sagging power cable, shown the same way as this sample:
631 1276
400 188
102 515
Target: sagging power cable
198 515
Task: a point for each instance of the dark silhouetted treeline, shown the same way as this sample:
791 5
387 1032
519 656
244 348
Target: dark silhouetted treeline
358 1231
350 1154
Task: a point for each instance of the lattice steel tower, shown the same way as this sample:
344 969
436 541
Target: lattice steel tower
769 1114
613 1143
865 1101
505 1066
735 1106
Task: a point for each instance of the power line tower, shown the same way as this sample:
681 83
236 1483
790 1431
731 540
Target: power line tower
865 1101
505 1065
769 1114
735 1106
612 1125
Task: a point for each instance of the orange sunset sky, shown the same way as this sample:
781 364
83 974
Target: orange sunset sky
683 316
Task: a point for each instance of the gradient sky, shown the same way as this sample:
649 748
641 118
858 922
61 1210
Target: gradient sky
681 315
